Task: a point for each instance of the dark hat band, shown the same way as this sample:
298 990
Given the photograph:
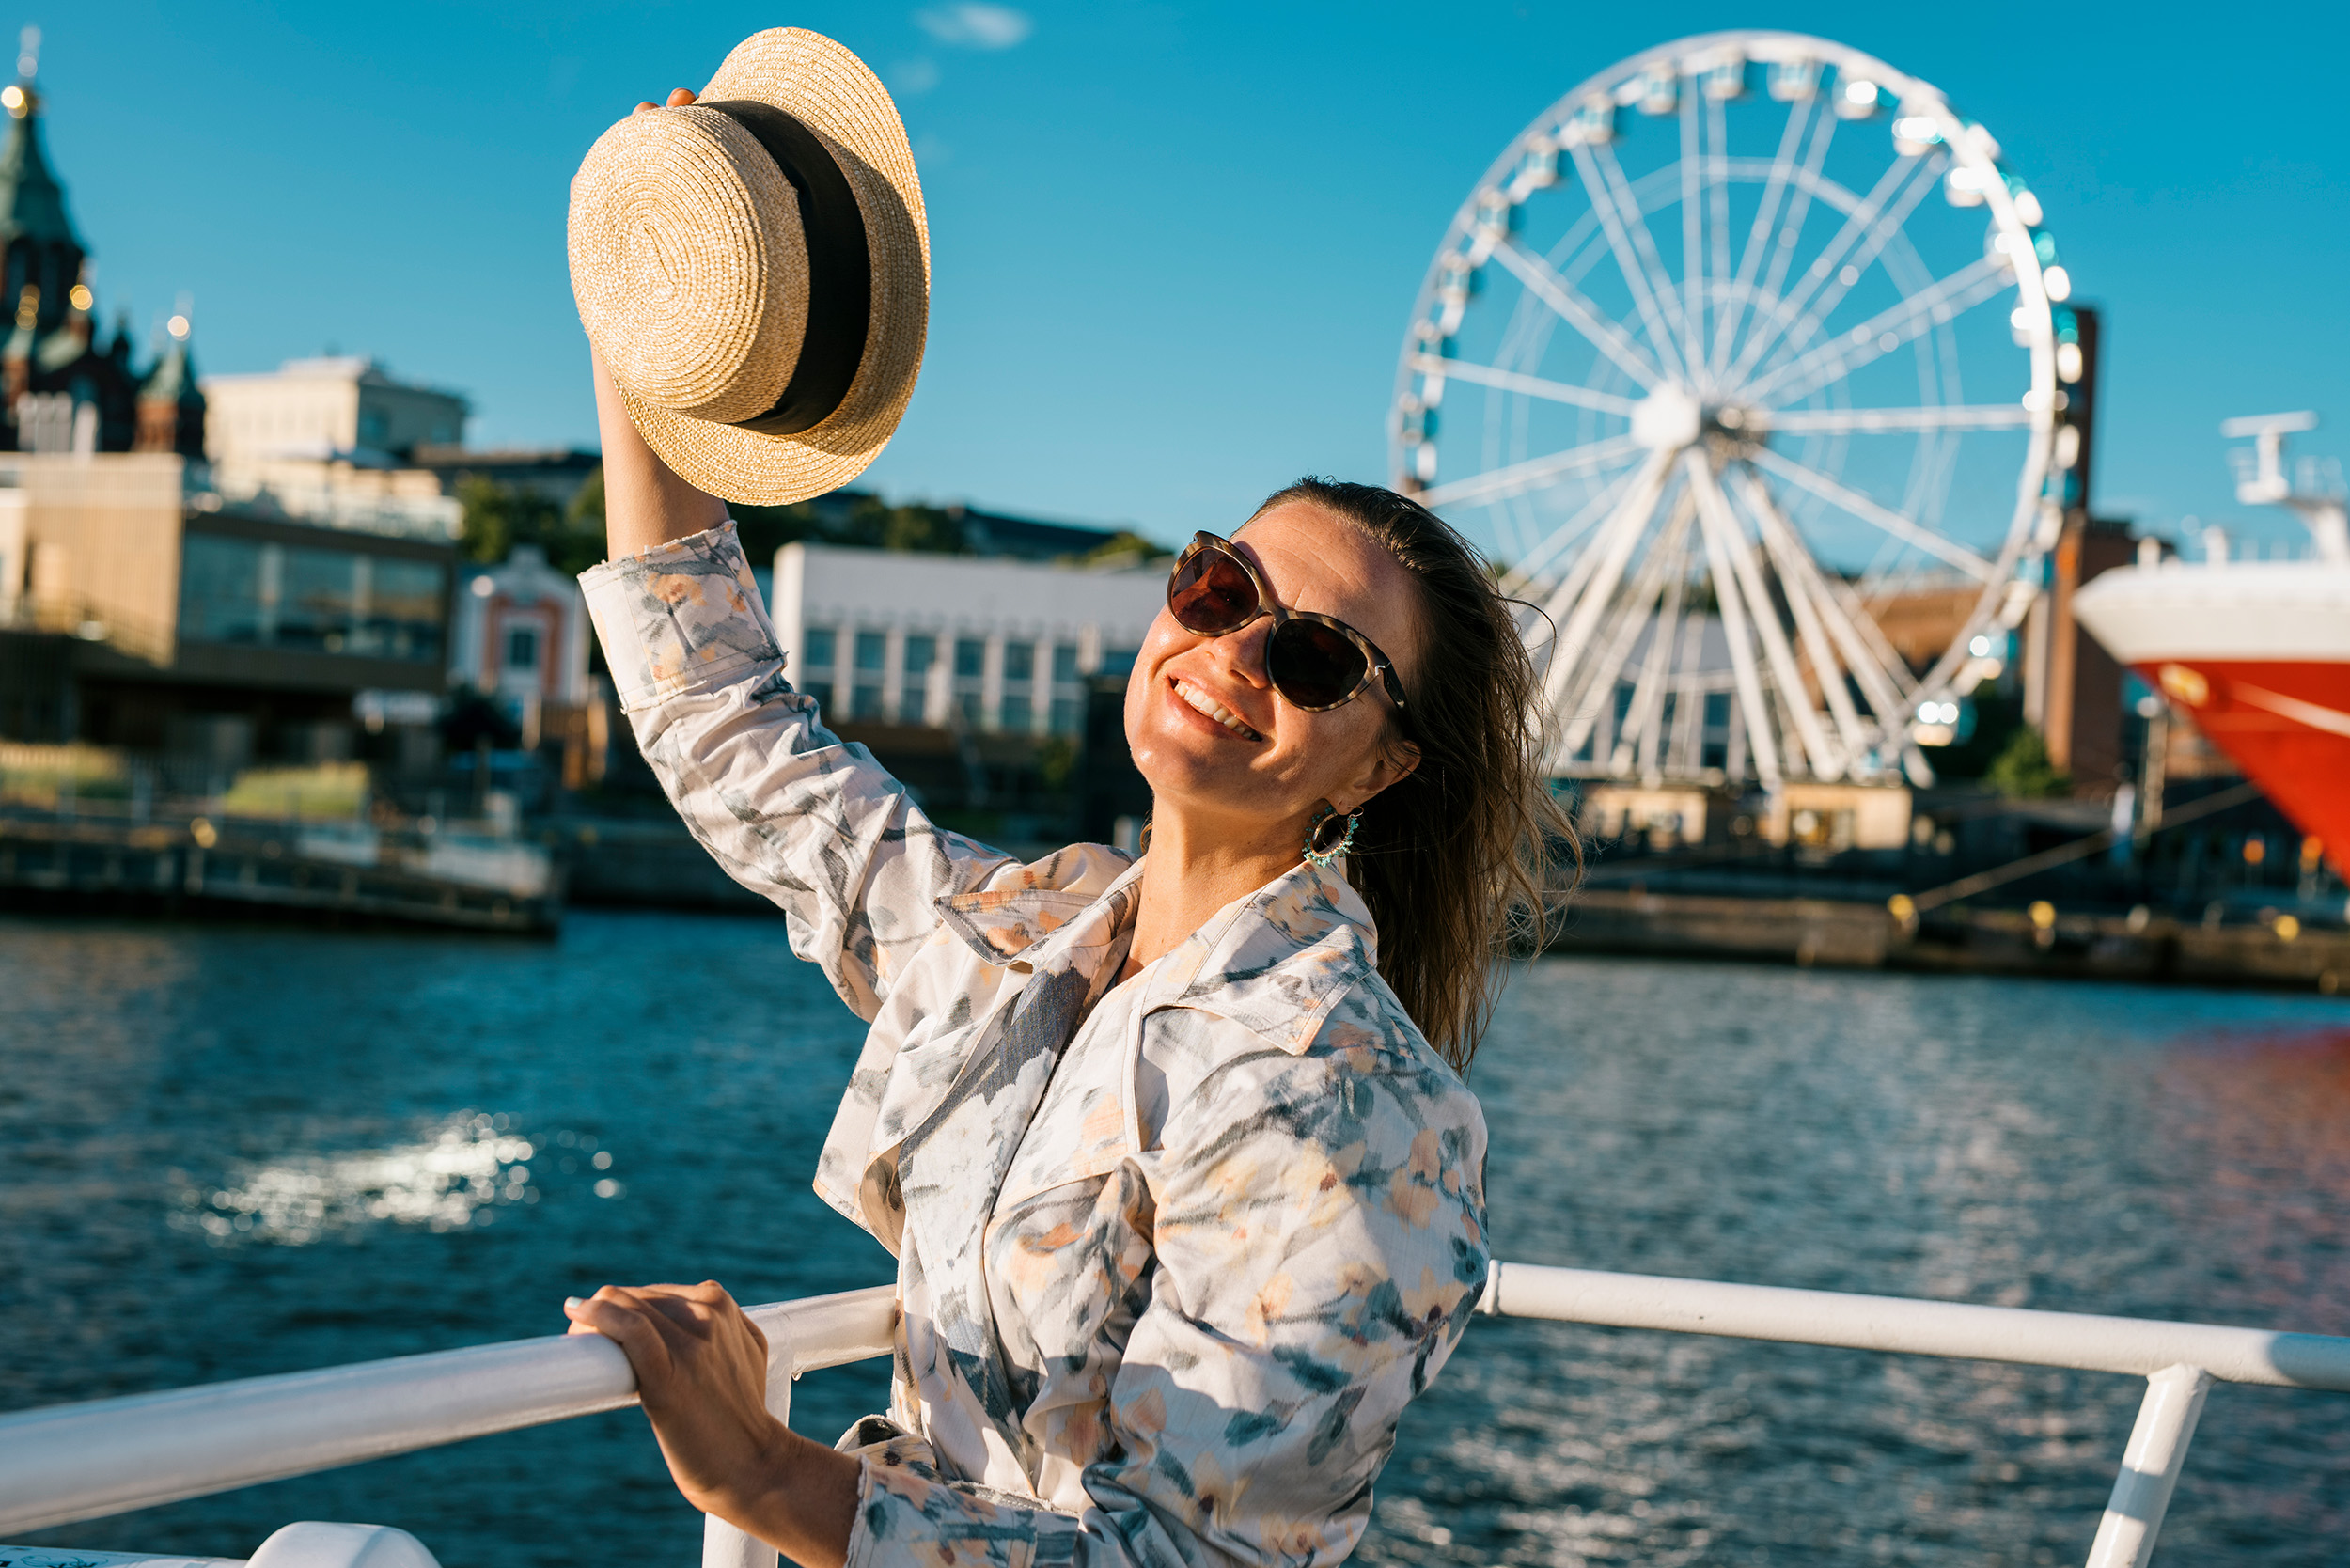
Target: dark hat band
840 270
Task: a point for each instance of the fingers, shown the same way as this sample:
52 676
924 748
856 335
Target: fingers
679 98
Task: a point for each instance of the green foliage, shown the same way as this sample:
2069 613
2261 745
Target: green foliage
2023 771
1055 762
1998 714
499 516
865 521
1121 547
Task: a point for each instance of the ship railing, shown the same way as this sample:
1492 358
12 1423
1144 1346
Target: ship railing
77 1462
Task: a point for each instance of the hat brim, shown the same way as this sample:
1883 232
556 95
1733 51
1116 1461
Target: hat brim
829 90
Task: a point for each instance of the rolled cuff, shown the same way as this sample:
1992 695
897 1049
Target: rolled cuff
904 1519
681 618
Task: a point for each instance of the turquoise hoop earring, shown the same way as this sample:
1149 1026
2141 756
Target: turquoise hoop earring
1320 849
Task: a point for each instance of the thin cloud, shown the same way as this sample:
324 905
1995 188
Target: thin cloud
975 24
912 78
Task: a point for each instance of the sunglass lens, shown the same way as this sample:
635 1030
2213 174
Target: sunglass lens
1314 666
1211 595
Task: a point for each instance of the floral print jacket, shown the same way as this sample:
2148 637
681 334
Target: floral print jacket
1173 1254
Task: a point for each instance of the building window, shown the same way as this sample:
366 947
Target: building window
306 600
818 653
1064 662
866 703
872 651
821 691
967 704
522 648
1118 661
1067 716
315 600
970 658
220 590
1017 714
1019 661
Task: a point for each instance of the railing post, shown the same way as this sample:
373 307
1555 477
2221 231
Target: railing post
723 1545
2149 1468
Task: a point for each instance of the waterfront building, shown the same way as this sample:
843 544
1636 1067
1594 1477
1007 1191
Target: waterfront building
522 639
159 619
950 642
332 440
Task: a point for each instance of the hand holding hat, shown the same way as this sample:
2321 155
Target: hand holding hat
753 267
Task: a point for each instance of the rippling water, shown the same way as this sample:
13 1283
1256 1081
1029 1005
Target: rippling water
247 1150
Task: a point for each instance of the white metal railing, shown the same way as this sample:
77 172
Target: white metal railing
2179 1360
78 1461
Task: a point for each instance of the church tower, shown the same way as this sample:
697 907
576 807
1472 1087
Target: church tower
38 249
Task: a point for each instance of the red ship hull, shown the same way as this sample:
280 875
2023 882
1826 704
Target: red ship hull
2286 724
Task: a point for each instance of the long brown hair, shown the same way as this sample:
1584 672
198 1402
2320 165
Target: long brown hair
1463 860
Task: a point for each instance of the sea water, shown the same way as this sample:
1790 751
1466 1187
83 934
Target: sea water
238 1150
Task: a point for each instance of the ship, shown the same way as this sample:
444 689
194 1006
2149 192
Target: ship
2256 653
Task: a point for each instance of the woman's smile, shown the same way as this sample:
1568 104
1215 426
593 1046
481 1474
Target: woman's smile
1200 701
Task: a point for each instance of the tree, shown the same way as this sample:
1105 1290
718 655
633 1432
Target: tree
500 516
2023 771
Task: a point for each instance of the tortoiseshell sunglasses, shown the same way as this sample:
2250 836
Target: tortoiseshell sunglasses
1316 662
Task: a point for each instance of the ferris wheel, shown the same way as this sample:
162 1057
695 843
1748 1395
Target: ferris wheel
1745 360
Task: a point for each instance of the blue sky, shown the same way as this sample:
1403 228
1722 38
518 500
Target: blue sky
1175 246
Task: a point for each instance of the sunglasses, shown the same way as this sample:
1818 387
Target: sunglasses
1316 662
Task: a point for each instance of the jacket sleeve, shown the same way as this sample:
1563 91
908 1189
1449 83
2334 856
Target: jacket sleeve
1317 1257
786 807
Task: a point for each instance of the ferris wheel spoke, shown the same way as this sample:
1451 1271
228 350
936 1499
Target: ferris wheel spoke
1531 386
1937 302
1896 421
1647 284
1762 735
1717 211
1595 684
1714 509
1521 577
1883 674
1591 583
1859 506
1638 744
1782 246
1762 236
1794 566
1897 184
1518 478
1830 289
1692 229
1568 304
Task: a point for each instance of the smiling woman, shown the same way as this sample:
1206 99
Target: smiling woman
1174 1152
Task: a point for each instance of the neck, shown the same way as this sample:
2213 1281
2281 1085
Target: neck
1196 867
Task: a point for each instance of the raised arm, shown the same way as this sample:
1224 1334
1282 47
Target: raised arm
787 808
645 503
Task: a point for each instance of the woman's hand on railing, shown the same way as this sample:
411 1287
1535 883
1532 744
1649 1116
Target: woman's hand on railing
701 1375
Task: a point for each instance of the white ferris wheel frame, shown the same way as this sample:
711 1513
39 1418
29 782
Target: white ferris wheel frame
1827 625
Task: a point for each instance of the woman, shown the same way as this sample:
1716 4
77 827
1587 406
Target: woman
1186 1204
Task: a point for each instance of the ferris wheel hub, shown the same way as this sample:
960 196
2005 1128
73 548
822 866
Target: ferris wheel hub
1669 418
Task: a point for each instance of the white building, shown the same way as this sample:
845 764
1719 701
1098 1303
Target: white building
953 642
334 440
521 637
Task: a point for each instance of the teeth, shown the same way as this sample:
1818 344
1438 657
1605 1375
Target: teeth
1215 710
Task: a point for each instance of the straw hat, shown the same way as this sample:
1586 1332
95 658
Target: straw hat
755 269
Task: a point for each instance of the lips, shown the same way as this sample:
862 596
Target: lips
1193 698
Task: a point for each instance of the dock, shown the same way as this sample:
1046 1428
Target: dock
342 871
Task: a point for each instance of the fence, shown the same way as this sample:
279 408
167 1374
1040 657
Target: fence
111 1456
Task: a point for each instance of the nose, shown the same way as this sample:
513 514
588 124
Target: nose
1242 655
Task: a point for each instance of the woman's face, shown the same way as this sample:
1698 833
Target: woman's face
1269 765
